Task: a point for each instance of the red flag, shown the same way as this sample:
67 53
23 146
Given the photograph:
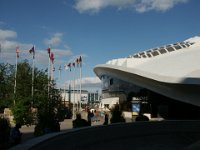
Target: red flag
49 51
80 61
32 50
52 57
17 51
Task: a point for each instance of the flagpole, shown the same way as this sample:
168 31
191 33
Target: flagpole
33 67
65 92
49 66
80 85
74 95
15 75
52 72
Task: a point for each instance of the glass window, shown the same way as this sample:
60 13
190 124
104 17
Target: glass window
111 81
149 51
177 47
187 44
162 51
136 56
149 55
183 45
144 56
155 49
170 49
155 53
168 46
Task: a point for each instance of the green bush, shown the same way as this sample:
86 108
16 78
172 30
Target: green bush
4 133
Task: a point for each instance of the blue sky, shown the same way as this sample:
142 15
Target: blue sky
98 30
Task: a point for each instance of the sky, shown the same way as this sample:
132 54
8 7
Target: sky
97 30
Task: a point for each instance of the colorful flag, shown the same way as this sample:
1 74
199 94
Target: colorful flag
17 51
52 57
32 50
49 51
77 61
69 66
80 61
66 67
74 64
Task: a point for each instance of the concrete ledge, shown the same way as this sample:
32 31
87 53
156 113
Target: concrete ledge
162 135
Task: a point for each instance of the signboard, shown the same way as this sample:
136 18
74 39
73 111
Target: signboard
135 108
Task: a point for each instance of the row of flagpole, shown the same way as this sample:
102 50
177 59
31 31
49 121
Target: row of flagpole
69 66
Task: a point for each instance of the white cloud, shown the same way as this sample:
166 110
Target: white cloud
138 5
5 34
54 40
91 80
8 49
88 83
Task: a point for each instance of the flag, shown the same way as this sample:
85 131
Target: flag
74 64
69 66
60 68
77 61
17 51
49 51
80 61
66 67
52 57
32 50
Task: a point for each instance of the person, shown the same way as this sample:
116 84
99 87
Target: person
79 122
89 117
15 134
106 119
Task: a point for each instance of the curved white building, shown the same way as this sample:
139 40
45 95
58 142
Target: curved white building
172 70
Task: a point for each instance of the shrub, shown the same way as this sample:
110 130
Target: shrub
116 115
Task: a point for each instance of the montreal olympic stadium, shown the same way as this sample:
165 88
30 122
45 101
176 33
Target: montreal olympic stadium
170 74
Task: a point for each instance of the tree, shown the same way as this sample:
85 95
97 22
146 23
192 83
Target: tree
6 85
47 106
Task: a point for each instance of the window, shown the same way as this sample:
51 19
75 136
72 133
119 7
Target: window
155 53
177 47
170 49
149 55
136 56
162 51
111 81
144 56
187 44
183 45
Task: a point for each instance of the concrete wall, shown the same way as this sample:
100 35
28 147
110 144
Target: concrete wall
163 135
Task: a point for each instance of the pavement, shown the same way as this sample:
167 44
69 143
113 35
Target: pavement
28 131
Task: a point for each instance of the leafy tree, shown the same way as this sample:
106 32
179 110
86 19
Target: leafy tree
47 106
6 85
